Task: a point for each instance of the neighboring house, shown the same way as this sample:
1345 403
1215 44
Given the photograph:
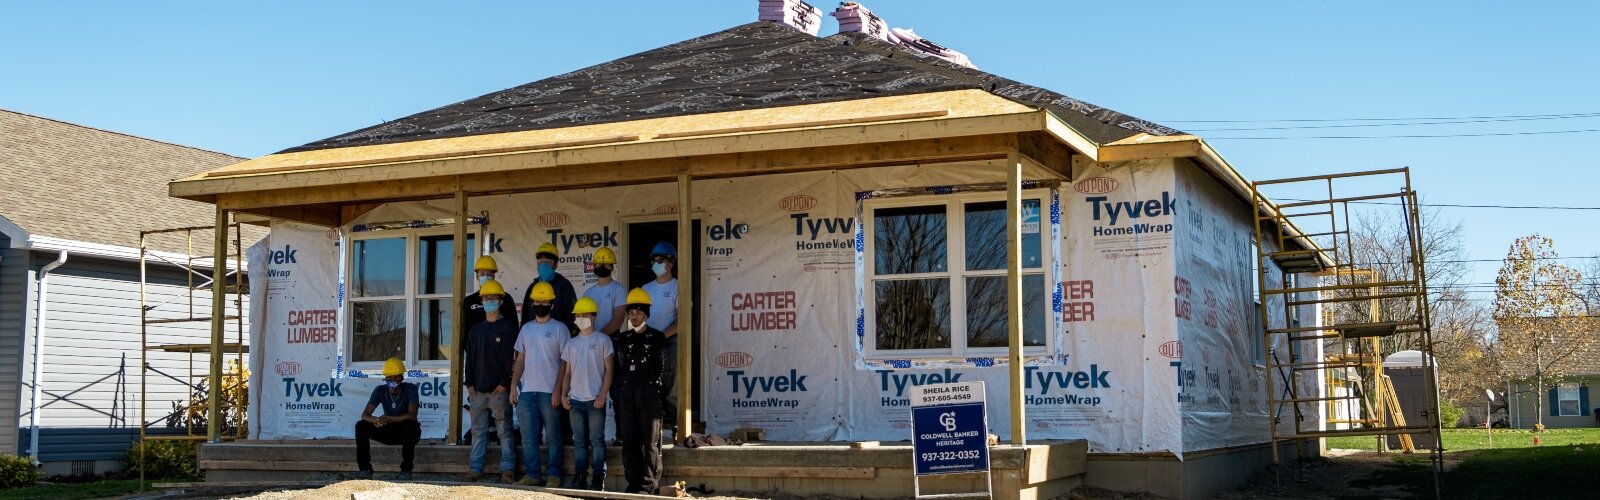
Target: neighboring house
1568 404
89 193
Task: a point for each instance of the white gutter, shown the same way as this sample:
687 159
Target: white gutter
38 353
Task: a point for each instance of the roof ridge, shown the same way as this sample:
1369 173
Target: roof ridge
113 132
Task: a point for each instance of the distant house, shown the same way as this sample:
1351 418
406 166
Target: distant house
1567 404
89 193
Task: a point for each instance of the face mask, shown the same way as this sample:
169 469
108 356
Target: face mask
602 272
491 306
584 323
483 279
392 383
660 268
546 273
639 328
542 311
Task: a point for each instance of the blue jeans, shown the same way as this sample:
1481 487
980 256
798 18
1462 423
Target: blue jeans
588 436
537 418
485 404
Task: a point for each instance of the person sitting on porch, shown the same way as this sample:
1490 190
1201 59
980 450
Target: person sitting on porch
397 426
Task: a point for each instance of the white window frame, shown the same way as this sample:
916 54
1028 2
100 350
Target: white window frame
1577 400
413 240
955 272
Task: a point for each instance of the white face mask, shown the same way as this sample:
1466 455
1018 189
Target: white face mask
637 328
584 323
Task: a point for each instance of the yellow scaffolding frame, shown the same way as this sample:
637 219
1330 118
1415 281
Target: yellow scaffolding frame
1329 255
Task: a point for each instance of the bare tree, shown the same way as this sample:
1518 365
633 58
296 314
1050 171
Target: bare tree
1540 313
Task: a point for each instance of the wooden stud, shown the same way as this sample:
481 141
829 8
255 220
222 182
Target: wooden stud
458 290
1019 429
219 292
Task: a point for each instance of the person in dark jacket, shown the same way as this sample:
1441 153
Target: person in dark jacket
485 269
398 424
644 376
566 297
488 364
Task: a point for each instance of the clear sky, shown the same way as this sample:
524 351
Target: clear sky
252 78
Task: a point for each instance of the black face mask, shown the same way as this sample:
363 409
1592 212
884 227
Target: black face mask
602 272
539 310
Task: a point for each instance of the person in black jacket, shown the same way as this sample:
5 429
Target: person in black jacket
483 270
566 297
488 383
644 375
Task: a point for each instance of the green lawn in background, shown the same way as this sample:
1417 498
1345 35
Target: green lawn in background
1478 439
78 491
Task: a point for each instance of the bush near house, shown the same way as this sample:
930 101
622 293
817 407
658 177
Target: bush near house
17 471
1450 414
167 460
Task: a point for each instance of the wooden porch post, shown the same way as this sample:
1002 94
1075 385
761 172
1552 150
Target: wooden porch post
686 327
458 290
219 309
1019 430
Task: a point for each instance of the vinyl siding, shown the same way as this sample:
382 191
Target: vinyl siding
1524 414
14 293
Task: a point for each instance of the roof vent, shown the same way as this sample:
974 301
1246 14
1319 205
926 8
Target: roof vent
793 13
854 17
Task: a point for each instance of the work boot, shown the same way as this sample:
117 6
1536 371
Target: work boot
474 476
599 482
364 474
404 476
579 481
507 478
553 482
530 481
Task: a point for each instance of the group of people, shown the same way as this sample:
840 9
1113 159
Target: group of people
556 365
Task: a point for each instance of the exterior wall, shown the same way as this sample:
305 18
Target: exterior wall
14 299
1524 413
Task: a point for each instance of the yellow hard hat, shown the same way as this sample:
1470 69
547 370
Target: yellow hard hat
638 296
605 256
585 306
549 248
491 287
485 263
542 291
394 366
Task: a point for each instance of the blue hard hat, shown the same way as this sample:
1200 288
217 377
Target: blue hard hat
664 248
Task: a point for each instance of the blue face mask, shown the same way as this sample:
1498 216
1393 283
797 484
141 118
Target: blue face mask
491 306
392 383
660 268
546 273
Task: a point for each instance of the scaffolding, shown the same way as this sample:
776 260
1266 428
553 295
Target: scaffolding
180 309
1366 299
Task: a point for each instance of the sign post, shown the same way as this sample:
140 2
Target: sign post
950 434
1488 416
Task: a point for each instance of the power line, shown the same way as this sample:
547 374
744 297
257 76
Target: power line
1362 125
1293 120
1457 205
1419 136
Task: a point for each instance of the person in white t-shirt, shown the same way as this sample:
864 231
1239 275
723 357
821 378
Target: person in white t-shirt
538 369
664 313
609 295
586 363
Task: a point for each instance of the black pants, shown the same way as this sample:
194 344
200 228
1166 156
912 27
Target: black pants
639 428
405 433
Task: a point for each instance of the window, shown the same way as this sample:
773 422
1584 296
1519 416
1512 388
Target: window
1567 400
936 275
400 300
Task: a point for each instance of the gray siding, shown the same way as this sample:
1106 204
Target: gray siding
1524 414
13 319
93 344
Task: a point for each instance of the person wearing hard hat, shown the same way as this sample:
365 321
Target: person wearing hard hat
548 257
664 314
586 363
537 370
398 424
488 382
644 376
483 270
608 294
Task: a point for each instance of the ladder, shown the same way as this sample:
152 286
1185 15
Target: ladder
1391 402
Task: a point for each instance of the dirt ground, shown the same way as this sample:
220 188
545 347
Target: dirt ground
1335 476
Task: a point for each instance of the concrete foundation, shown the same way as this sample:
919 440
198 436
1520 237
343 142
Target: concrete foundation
1201 474
1045 470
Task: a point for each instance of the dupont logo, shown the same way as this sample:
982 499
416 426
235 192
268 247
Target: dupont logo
553 219
287 368
1172 349
734 359
797 203
1096 185
671 208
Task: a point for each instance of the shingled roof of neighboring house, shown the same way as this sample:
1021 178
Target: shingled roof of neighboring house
89 185
757 65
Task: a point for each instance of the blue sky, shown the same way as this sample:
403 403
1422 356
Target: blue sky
252 78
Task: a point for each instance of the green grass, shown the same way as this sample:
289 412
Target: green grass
77 491
1546 472
1477 439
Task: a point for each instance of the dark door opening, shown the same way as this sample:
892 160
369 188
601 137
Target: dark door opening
642 236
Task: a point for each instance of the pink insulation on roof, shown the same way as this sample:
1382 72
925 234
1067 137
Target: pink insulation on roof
854 17
794 13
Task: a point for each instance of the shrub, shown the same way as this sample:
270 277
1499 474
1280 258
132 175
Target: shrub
1450 414
17 471
170 460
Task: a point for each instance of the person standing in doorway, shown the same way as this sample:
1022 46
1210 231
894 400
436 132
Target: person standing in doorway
548 259
664 311
586 373
538 370
644 376
488 382
608 294
397 426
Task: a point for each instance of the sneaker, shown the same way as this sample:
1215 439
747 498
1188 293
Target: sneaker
365 474
474 476
507 478
580 481
530 481
598 483
553 482
403 476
